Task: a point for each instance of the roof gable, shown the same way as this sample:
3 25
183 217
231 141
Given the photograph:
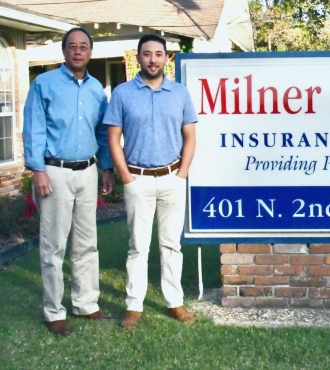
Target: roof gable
192 18
21 18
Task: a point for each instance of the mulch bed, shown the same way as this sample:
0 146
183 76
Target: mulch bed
16 245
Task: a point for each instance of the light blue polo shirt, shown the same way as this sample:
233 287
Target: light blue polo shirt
151 120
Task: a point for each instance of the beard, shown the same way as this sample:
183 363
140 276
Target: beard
151 76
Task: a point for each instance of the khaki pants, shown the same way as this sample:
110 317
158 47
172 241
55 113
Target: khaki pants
143 197
69 213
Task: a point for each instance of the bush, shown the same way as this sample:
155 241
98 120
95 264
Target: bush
116 195
19 217
14 219
26 186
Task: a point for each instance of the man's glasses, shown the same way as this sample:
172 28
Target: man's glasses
82 49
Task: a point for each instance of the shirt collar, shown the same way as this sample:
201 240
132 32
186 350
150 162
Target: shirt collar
68 73
166 85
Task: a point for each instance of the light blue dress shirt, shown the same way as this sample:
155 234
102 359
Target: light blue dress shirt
63 120
151 120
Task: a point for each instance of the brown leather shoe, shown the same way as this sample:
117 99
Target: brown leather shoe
94 316
131 319
60 327
181 314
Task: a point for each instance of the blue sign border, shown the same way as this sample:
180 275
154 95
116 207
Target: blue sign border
250 55
179 57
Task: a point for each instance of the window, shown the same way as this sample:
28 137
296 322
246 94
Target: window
6 104
115 75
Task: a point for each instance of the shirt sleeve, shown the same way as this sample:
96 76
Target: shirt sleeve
189 113
114 113
104 158
34 129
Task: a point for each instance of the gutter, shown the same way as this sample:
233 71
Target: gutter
33 19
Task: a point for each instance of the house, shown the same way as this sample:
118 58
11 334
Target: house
116 26
15 24
30 34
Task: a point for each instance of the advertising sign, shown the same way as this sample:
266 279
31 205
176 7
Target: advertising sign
261 170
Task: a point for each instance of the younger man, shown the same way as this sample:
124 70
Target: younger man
156 117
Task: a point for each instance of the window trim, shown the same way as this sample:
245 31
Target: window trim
11 114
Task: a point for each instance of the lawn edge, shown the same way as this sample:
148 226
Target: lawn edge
18 250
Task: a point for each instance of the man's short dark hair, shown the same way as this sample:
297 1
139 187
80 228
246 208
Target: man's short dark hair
151 37
75 29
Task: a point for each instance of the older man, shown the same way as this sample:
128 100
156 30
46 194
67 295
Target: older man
63 138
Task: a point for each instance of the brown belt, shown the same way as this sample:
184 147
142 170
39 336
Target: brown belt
158 171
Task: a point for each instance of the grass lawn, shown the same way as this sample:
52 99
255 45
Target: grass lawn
159 342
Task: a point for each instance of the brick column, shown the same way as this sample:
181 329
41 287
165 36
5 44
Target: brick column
11 180
275 275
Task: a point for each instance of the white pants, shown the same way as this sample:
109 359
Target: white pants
69 212
167 195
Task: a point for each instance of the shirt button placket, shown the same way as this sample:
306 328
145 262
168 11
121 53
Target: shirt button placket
80 121
153 106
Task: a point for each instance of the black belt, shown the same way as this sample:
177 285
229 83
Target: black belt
158 171
74 166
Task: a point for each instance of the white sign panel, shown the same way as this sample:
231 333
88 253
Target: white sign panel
261 170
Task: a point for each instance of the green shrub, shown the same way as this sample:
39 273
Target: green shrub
116 195
26 186
12 219
17 219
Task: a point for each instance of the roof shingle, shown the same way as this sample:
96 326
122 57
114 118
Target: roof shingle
192 18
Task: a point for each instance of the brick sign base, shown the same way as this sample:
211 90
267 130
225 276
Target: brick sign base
275 275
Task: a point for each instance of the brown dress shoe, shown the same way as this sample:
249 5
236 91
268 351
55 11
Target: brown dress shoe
60 327
131 319
181 314
94 316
